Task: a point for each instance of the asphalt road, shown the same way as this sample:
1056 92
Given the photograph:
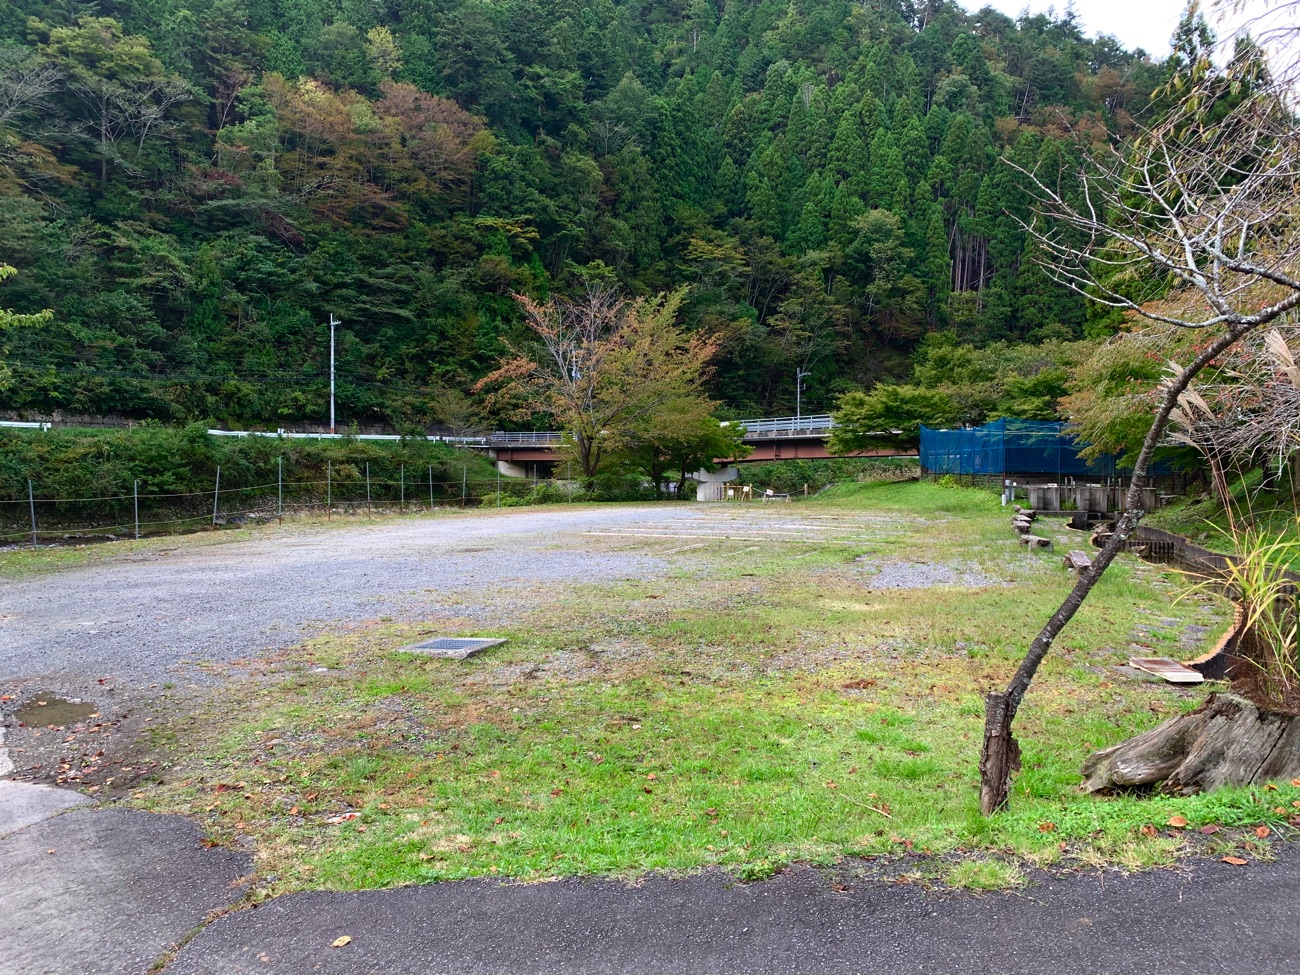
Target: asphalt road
1207 918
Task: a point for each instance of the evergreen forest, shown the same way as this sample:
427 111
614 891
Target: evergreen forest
193 189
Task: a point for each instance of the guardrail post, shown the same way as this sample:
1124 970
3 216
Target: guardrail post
464 483
31 501
431 487
401 503
498 484
135 499
216 497
279 504
367 489
329 489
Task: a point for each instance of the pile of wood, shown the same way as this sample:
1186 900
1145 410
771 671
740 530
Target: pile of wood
1023 523
1226 741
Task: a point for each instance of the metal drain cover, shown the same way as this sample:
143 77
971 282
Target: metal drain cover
455 647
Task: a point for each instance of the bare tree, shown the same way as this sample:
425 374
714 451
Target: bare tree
26 83
126 113
1194 224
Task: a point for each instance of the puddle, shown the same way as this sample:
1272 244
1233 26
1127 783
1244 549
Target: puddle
40 710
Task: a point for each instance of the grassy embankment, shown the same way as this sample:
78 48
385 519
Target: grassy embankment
758 706
1203 518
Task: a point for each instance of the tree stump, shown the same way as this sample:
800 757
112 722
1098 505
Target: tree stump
1226 741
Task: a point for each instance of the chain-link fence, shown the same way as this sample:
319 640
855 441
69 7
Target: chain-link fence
345 489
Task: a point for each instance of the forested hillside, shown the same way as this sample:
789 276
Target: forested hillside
192 188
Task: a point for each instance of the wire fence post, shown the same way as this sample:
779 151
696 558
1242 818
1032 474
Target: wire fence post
31 502
568 478
329 489
216 497
135 500
367 489
498 484
279 504
431 487
464 483
401 503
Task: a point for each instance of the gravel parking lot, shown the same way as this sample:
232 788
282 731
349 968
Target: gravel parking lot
138 618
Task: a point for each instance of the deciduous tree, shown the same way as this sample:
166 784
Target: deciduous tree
1200 212
600 368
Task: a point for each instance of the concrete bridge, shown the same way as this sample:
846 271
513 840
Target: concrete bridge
773 438
533 453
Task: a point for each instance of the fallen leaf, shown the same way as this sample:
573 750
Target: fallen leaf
1235 861
1270 787
1046 827
1262 832
1178 822
1149 830
340 942
1209 829
651 777
49 851
1296 783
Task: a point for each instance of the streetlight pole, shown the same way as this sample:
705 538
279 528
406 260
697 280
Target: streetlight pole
799 376
333 322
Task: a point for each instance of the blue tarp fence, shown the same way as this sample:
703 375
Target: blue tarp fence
1010 447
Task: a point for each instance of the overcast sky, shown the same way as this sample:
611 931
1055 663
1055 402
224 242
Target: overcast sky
1147 24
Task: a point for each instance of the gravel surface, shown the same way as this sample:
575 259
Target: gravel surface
137 618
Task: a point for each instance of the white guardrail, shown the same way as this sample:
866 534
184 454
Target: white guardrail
764 428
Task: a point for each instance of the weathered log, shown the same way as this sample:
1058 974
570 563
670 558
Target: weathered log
1035 541
1226 741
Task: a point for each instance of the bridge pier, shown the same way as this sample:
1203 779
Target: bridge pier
511 468
712 485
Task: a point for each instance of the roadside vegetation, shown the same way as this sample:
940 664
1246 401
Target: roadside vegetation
805 700
89 478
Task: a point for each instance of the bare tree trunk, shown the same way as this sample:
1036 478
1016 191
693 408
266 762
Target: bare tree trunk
1000 755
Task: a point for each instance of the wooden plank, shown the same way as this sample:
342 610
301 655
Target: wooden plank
1170 670
1077 561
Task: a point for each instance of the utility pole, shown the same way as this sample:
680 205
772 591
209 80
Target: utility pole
333 322
799 376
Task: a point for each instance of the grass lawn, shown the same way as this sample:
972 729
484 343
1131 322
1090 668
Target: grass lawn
809 699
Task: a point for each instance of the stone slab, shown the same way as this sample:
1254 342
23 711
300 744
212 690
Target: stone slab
107 892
